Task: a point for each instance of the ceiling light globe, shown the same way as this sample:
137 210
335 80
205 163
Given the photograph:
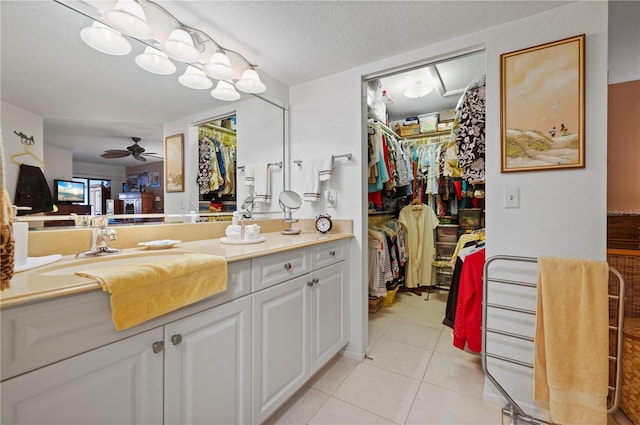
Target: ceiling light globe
195 79
219 67
225 91
179 46
105 40
155 61
129 18
250 82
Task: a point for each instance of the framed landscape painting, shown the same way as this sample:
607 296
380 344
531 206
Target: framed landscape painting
542 106
174 163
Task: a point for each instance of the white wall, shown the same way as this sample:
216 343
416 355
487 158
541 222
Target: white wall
59 164
20 120
562 212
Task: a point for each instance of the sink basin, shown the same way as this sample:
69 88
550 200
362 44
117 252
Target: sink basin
69 268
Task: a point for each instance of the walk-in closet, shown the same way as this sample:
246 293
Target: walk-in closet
425 200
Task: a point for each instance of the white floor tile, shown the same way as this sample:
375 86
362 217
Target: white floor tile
413 334
400 358
300 408
379 391
435 405
338 412
445 345
333 374
456 374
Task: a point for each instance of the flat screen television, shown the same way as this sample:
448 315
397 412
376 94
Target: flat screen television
68 191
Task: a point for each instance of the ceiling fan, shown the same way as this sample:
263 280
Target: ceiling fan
135 150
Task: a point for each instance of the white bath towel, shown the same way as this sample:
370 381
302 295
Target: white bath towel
259 176
316 170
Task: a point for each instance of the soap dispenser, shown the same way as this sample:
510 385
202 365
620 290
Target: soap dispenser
233 230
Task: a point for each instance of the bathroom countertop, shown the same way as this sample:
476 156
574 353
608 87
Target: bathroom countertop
33 285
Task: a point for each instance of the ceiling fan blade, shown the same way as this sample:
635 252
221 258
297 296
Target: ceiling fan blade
117 151
140 158
111 155
152 156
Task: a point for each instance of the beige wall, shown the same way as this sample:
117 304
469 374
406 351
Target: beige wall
155 167
623 143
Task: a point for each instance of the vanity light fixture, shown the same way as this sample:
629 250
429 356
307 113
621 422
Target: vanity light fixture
155 61
219 66
195 78
105 39
225 91
250 82
179 46
129 18
168 38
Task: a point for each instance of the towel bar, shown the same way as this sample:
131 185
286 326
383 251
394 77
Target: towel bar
512 409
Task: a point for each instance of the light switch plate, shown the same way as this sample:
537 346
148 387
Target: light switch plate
511 197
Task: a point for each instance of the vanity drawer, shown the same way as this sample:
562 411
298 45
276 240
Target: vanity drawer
276 268
328 253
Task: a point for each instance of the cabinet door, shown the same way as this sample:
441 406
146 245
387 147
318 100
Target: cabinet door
120 383
280 344
208 366
329 323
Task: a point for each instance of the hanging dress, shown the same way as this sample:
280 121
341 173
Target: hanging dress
420 221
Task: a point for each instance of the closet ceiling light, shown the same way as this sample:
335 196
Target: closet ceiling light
180 46
418 90
225 91
195 79
129 18
219 67
250 82
105 40
153 60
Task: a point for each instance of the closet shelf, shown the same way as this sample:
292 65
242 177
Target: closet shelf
218 128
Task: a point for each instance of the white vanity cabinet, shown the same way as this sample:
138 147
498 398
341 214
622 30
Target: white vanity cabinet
120 383
207 366
298 325
193 364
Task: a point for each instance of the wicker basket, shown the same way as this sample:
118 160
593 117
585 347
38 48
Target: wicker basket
375 304
629 268
630 396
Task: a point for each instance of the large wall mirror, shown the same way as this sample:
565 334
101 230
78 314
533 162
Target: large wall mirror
78 103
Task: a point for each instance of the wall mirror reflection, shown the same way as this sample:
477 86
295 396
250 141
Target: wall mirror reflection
82 107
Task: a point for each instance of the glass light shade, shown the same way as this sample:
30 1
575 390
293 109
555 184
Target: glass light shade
180 47
219 67
105 40
195 79
250 82
129 18
225 91
153 60
417 90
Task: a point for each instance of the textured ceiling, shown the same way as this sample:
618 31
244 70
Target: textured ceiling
91 102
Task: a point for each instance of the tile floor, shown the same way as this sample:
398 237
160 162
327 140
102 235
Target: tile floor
414 376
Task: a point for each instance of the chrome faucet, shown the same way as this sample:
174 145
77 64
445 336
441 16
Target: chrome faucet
102 236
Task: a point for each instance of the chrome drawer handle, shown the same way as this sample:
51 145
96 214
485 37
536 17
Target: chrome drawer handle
176 339
313 281
310 283
287 266
332 253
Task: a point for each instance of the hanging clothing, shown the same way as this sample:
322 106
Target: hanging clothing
467 328
470 139
419 221
32 191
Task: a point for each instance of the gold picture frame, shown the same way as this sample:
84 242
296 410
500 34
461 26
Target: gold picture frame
174 163
542 106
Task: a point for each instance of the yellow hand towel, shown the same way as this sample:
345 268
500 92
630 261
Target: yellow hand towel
571 340
140 292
